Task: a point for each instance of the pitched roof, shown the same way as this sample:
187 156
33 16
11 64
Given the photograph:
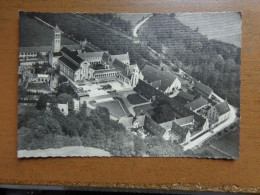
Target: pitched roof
177 129
203 88
57 29
72 55
166 125
222 108
96 54
153 127
57 54
68 63
120 57
120 66
186 95
156 84
152 74
35 49
126 121
38 86
198 103
106 57
75 46
149 91
184 120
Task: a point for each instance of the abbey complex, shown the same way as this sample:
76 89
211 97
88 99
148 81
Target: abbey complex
135 97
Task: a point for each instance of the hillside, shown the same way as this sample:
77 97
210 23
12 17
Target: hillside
33 33
224 27
212 62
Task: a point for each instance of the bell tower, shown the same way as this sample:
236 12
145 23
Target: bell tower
56 42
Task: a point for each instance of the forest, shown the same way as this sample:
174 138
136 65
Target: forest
79 27
115 22
43 128
213 62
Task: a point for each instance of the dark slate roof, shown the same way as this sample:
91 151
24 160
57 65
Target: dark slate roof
203 88
184 120
177 129
72 54
57 54
106 57
120 66
197 103
149 91
186 95
97 67
153 127
156 84
72 46
152 74
222 108
38 86
120 57
86 55
68 63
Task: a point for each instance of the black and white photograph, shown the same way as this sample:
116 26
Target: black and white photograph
129 85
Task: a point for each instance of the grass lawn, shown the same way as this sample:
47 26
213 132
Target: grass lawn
135 99
143 108
63 152
25 108
113 107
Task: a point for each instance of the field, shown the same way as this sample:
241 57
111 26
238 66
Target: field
63 152
135 99
34 33
113 107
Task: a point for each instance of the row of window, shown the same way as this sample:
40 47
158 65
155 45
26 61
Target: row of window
105 75
32 53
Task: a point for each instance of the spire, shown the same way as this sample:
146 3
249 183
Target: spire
57 29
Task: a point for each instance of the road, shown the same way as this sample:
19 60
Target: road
139 25
200 140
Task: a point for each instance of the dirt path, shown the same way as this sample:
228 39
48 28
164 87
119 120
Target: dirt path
139 25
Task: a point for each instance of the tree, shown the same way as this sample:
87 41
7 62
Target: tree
42 102
82 115
65 98
62 79
65 88
162 112
71 126
24 138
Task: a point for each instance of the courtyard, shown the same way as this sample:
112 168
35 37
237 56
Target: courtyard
96 88
114 107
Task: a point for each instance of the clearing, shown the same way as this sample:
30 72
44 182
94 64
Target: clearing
114 108
71 151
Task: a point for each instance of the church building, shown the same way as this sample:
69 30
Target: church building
79 65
